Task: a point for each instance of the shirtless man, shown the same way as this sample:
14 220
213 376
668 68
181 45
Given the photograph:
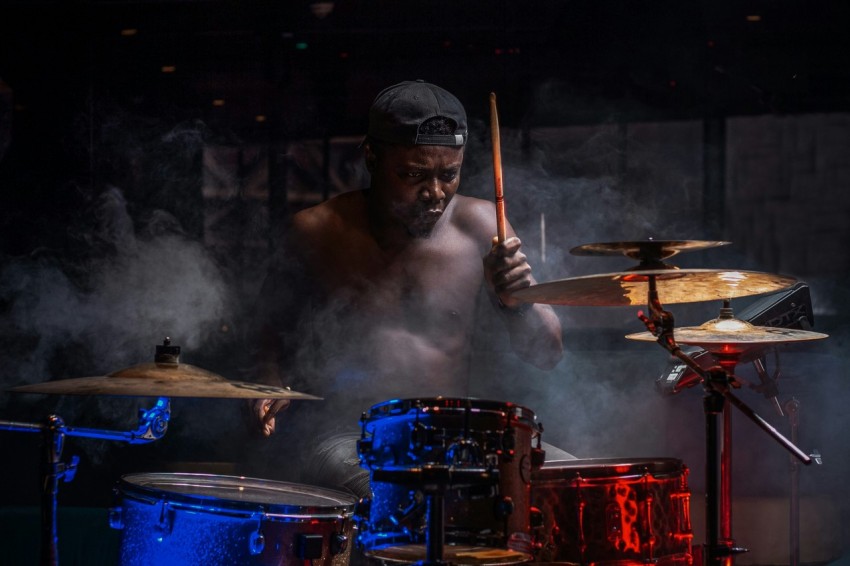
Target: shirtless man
390 274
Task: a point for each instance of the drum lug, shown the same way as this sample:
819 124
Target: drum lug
508 444
339 543
362 510
116 518
538 457
404 516
166 520
256 543
535 518
364 450
504 507
464 452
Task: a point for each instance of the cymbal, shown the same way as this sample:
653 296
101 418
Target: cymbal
732 334
645 250
674 286
163 380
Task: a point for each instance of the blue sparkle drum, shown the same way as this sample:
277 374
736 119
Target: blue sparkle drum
478 454
192 519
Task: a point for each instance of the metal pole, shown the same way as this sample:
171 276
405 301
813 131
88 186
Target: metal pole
726 483
792 407
54 439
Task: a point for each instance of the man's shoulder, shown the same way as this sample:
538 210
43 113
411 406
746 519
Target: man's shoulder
474 215
333 212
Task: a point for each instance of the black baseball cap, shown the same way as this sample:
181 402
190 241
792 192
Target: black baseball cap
398 112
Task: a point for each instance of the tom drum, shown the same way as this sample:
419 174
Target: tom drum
191 519
600 511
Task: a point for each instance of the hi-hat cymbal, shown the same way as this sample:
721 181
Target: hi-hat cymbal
645 250
730 335
163 380
628 288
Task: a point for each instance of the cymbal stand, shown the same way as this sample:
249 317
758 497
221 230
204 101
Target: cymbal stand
153 424
716 383
790 409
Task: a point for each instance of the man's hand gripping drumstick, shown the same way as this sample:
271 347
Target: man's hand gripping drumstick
506 268
262 414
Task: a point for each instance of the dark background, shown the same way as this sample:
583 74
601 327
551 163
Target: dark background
151 152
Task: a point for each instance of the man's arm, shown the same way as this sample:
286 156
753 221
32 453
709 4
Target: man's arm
534 329
277 313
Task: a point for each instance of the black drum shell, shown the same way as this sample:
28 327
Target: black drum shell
413 436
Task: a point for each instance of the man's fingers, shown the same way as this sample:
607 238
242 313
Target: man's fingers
272 407
268 427
508 247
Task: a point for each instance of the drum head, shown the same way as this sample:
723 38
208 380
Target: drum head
234 494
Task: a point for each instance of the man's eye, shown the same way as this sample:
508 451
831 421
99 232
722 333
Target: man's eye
449 176
414 173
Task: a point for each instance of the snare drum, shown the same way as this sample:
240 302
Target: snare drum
601 511
405 441
206 519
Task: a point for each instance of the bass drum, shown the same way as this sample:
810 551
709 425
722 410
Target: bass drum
601 511
192 519
477 455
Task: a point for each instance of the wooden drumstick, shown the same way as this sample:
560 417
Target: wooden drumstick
497 170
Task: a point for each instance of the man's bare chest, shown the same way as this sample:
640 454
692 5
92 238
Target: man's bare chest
425 281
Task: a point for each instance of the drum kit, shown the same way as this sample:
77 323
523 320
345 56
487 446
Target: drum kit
452 480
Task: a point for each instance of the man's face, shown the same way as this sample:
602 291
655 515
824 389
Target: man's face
414 184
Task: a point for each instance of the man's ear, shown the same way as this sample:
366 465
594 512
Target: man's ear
369 158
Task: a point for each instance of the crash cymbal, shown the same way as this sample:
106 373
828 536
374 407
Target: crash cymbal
645 250
729 335
163 380
674 286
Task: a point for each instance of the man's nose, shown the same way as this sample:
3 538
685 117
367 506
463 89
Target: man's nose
432 191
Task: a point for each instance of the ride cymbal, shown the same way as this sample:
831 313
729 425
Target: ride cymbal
645 250
628 288
163 380
729 335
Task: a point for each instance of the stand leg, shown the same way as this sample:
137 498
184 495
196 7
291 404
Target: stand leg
54 439
435 535
713 406
792 408
726 483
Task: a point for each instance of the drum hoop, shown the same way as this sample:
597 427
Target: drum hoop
221 505
450 405
237 514
598 470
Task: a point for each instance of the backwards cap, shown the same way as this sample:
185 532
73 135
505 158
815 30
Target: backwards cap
398 112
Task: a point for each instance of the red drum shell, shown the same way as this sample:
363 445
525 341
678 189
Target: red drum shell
614 510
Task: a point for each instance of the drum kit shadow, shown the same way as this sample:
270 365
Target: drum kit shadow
452 480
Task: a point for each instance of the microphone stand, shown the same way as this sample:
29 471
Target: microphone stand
716 383
153 424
